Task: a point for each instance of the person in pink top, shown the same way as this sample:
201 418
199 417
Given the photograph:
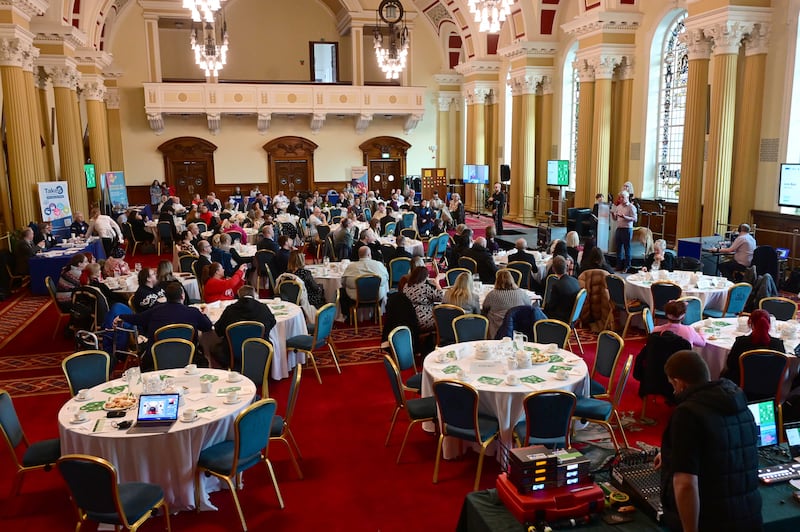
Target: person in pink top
217 287
676 310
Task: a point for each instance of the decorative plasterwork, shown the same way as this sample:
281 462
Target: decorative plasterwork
29 59
528 80
156 121
63 76
16 52
449 100
449 79
604 65
698 44
362 121
317 119
478 67
112 98
48 33
213 120
728 25
598 21
28 8
585 70
41 78
528 49
95 58
758 41
438 14
626 69
479 93
93 88
727 36
262 123
411 122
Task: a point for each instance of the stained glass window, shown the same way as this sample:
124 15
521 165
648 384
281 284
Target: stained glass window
672 112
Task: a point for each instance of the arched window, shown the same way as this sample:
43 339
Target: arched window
672 112
569 113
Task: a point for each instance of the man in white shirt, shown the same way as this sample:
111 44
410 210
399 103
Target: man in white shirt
104 227
316 219
366 265
742 249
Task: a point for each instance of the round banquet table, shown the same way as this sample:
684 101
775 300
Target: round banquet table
502 258
712 291
287 218
720 333
167 459
128 284
411 245
486 288
290 322
329 277
495 396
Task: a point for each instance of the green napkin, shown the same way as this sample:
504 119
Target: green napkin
556 358
529 348
226 391
209 378
165 377
532 379
451 369
280 313
490 380
720 323
554 369
206 409
94 406
114 390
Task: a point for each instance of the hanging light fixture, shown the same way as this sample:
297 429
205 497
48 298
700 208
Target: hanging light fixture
202 10
210 47
490 13
392 59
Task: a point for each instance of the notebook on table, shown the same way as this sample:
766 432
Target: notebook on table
156 413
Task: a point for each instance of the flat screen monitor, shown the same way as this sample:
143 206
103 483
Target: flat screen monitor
687 248
764 414
91 177
558 173
477 174
789 186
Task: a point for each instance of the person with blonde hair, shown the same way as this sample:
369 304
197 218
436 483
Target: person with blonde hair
462 295
505 295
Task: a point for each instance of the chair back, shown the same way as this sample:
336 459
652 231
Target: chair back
548 418
577 307
290 290
694 309
294 391
524 269
367 214
409 232
336 211
762 373
368 289
647 318
251 433
470 327
186 260
433 245
388 229
397 268
9 422
236 334
458 409
201 226
257 356
51 289
609 348
443 316
689 264
172 353
441 247
452 274
323 231
765 259
737 298
93 484
324 325
551 331
165 231
236 236
402 348
395 381
548 288
616 291
663 292
175 330
408 219
784 309
86 369
515 274
622 381
468 263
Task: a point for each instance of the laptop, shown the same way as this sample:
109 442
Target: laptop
156 413
793 439
783 253
764 415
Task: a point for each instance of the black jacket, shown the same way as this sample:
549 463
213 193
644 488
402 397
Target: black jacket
712 435
246 309
562 298
649 367
486 266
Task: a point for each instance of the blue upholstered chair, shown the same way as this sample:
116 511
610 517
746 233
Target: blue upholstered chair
321 337
172 353
402 348
784 309
418 410
99 496
600 411
548 288
281 426
577 308
388 229
290 290
694 309
609 348
551 331
470 327
368 289
236 334
176 330
452 274
468 263
647 318
443 316
762 374
256 362
86 369
663 292
734 304
525 270
548 417
397 268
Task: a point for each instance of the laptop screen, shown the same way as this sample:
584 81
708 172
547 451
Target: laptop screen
158 407
793 439
764 415
783 253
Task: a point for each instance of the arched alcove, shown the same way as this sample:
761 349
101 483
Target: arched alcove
291 165
386 158
189 166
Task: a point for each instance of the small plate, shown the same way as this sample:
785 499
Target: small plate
79 400
234 380
78 421
513 385
187 372
183 420
231 402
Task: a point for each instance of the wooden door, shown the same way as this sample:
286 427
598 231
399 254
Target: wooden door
190 178
292 176
384 168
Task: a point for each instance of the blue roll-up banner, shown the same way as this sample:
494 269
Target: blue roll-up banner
54 202
117 192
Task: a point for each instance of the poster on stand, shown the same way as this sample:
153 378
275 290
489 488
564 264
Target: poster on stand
359 179
54 203
117 192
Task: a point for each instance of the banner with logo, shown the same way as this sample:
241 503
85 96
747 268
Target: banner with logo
54 202
359 179
117 192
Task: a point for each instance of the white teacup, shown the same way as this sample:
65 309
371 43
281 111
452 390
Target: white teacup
512 379
523 360
234 376
189 414
232 397
83 394
205 387
551 348
461 374
512 363
562 374
191 368
80 415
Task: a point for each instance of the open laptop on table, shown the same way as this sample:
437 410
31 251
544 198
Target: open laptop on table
156 413
793 439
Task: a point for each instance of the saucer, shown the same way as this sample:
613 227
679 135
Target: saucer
184 420
187 372
233 380
513 384
74 421
232 402
78 399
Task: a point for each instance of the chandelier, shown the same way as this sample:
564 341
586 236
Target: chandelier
202 10
490 13
210 49
392 59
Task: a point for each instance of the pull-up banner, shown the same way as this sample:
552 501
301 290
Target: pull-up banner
54 202
117 192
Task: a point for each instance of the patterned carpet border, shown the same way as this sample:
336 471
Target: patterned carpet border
32 362
16 316
31 386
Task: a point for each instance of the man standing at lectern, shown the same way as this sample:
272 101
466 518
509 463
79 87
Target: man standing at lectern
498 206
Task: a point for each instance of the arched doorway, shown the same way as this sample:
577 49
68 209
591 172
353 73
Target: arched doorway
386 158
189 166
291 165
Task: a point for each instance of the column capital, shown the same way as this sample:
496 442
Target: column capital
63 76
585 70
18 51
547 85
604 65
93 88
524 83
477 94
698 44
757 42
112 97
626 69
41 78
727 36
447 100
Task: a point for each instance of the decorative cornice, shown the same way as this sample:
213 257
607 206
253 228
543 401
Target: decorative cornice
112 98
698 44
48 32
478 67
156 121
522 48
757 42
93 89
94 58
63 76
27 8
597 21
448 79
727 36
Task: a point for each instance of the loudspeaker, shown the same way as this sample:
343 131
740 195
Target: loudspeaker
505 173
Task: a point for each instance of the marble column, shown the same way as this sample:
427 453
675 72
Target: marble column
716 199
94 92
694 135
115 147
601 130
583 163
622 133
476 140
545 142
22 152
527 158
515 190
748 127
42 82
34 120
70 138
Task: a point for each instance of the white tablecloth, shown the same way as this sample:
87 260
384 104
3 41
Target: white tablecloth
411 245
169 459
720 333
287 218
501 400
539 273
152 227
128 284
290 322
713 293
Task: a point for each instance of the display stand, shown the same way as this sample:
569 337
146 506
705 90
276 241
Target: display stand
603 226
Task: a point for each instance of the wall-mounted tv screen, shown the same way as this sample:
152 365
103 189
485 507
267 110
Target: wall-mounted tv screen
558 173
477 174
789 187
91 178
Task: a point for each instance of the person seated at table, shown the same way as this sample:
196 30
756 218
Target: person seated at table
204 251
483 257
246 308
230 226
138 228
316 219
185 245
424 218
207 217
193 214
295 206
759 338
94 277
595 260
281 260
659 259
565 289
256 216
297 266
24 249
559 249
268 238
521 254
373 231
505 295
149 294
165 274
46 235
79 225
343 239
380 212
462 239
70 279
356 208
416 262
115 265
167 214
423 293
400 249
742 248
217 287
574 248
437 228
461 294
676 311
172 311
491 239
221 252
365 265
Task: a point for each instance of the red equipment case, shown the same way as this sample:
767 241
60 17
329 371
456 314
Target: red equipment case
551 504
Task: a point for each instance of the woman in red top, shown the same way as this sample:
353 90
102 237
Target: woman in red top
216 287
